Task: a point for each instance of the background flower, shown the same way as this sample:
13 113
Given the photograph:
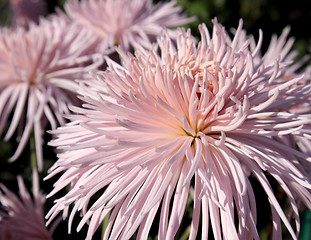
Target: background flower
22 217
290 67
26 11
37 72
293 68
198 117
128 23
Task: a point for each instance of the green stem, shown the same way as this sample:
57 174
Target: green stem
305 233
33 157
104 225
185 234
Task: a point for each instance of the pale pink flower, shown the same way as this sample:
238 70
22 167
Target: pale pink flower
195 117
25 11
128 23
38 68
22 217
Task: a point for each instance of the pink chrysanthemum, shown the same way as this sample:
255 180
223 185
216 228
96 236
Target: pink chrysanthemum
38 68
23 217
26 11
195 117
125 22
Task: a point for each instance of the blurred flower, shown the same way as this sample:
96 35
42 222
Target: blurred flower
289 67
128 23
283 47
195 116
23 217
37 72
26 11
280 49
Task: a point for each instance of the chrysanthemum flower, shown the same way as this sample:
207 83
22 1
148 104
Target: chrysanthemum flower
195 117
25 11
128 23
22 217
38 68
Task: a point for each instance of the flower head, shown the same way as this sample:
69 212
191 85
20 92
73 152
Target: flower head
23 217
128 23
37 76
178 118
